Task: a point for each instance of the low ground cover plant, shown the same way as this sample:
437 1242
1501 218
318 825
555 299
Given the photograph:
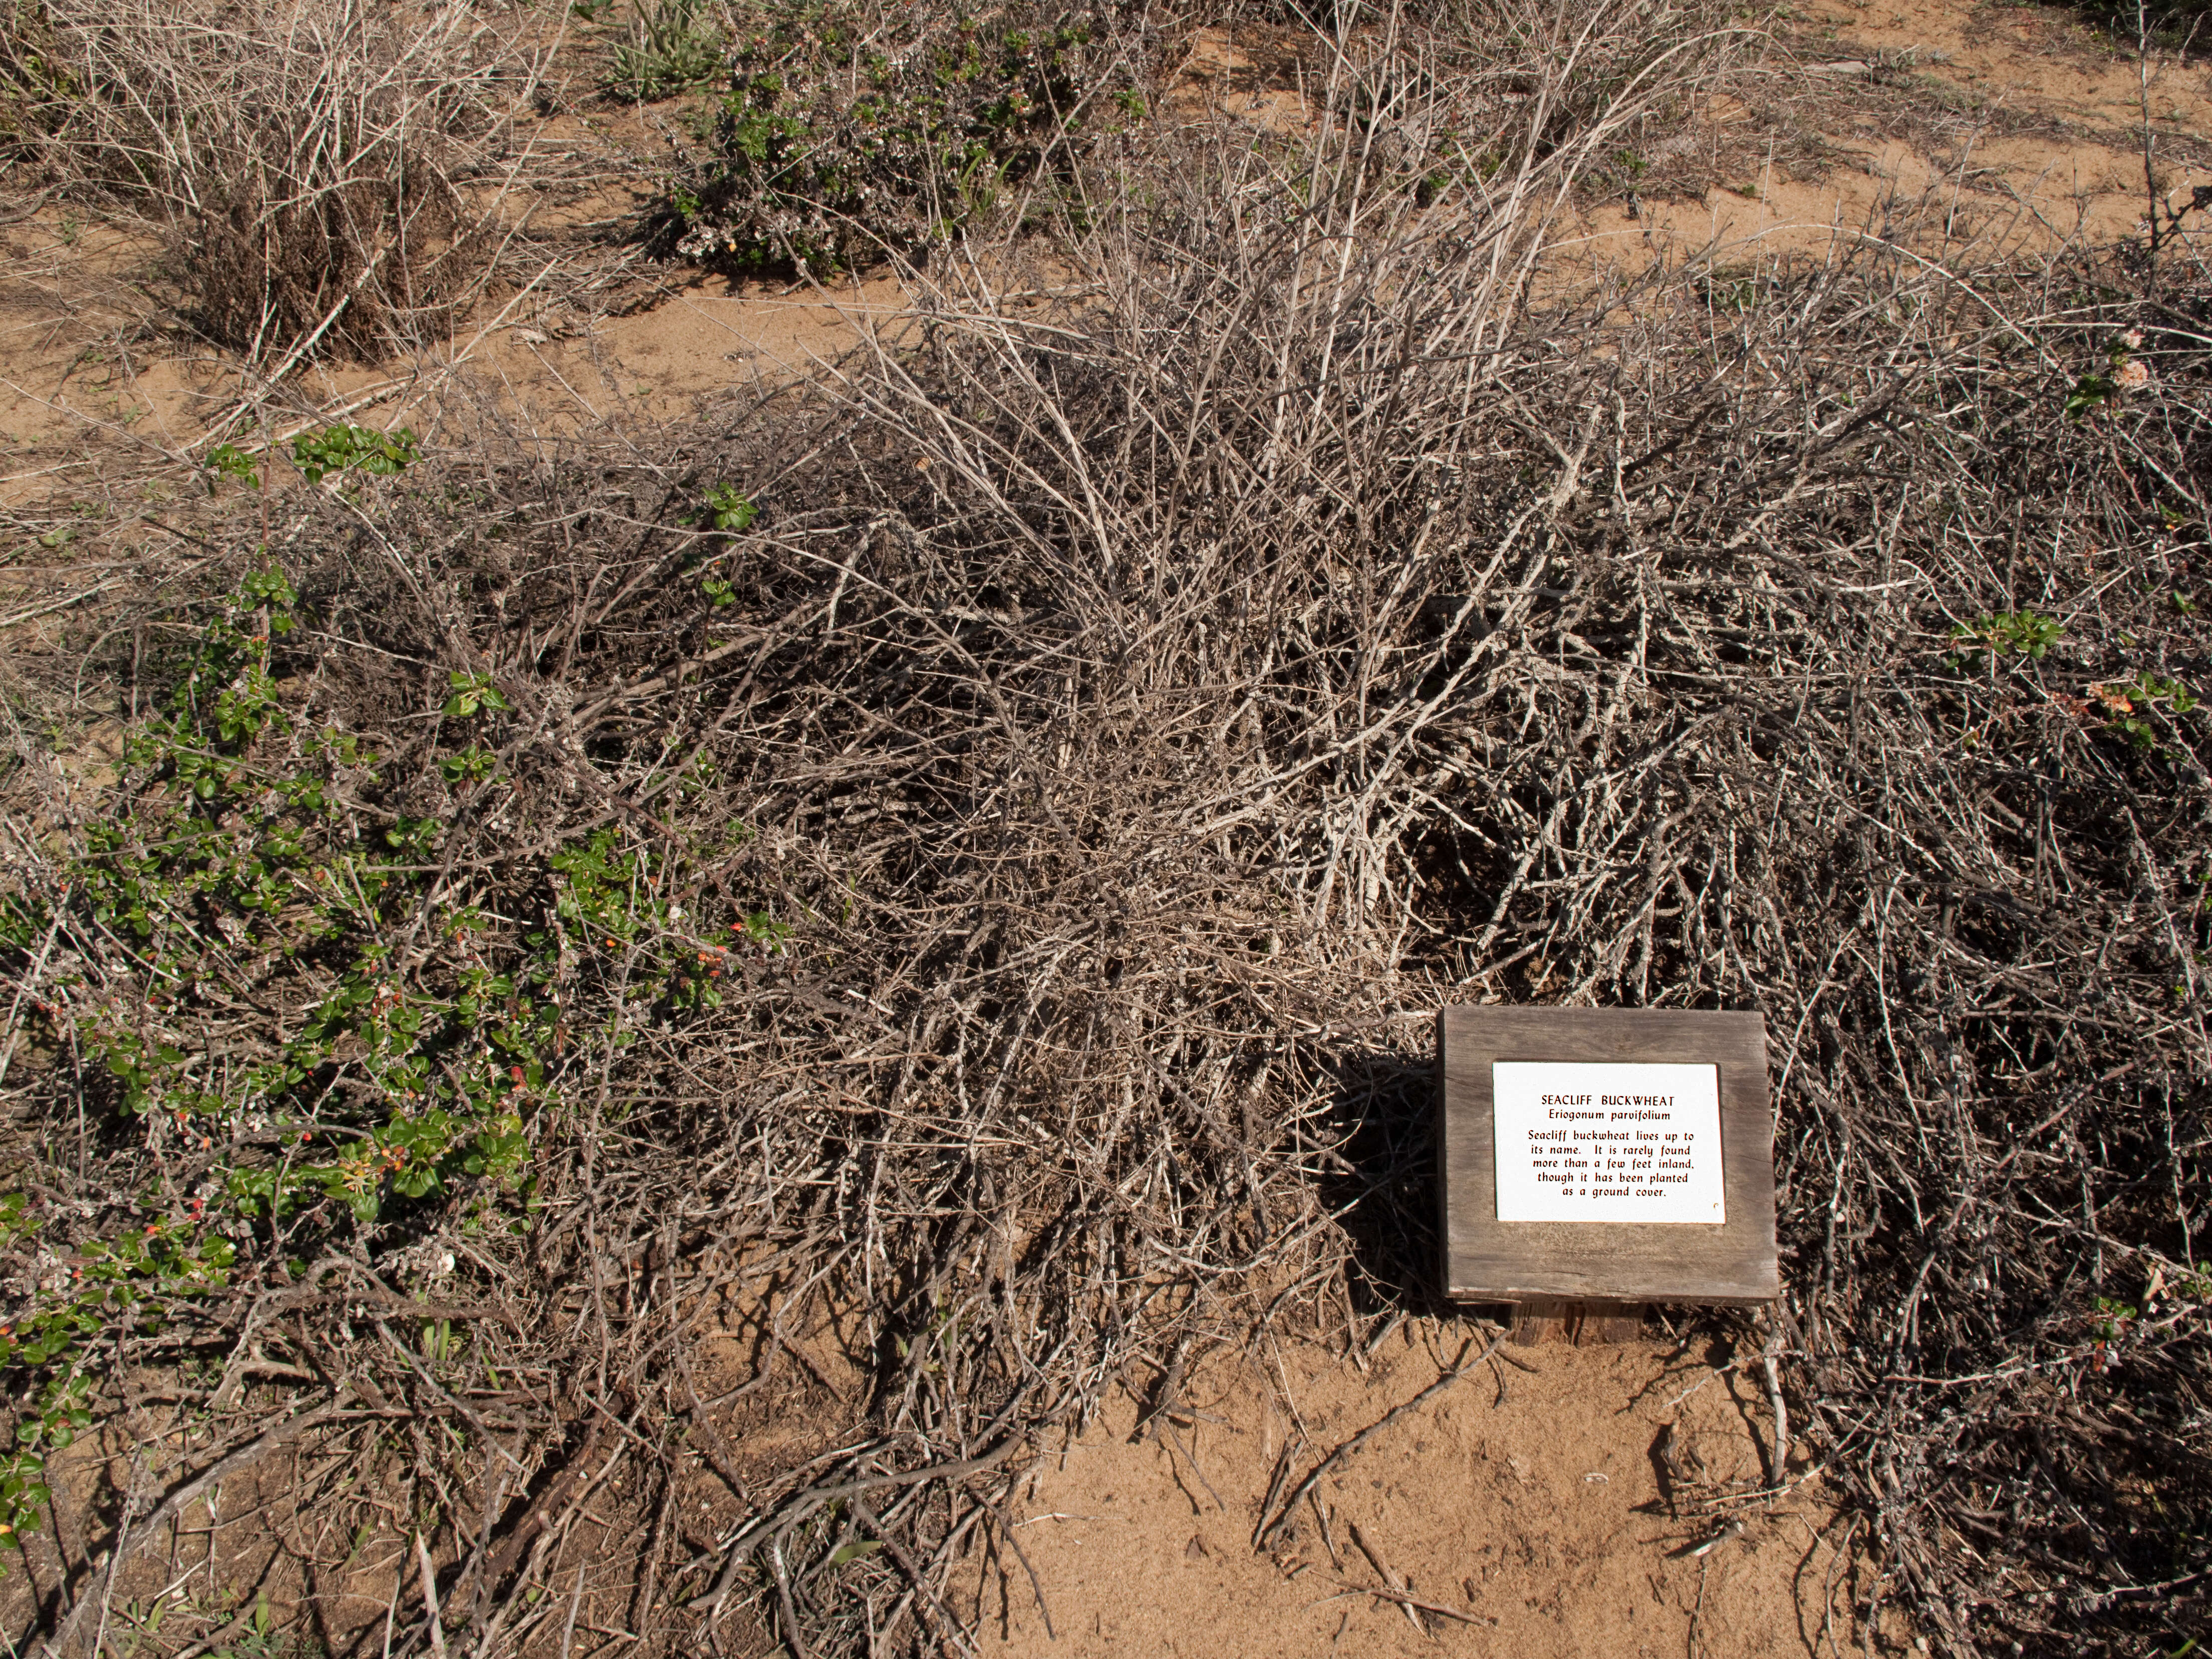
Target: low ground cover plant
285 989
847 134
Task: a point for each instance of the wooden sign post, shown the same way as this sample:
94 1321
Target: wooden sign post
1594 1160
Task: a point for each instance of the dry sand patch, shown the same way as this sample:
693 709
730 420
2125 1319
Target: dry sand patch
1556 1495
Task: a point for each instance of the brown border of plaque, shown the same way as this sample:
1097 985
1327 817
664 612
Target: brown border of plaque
1487 1260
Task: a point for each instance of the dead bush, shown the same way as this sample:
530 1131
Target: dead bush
327 175
1148 685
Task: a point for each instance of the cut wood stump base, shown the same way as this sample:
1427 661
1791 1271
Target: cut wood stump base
1579 1324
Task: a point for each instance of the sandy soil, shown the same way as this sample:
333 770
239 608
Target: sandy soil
1555 1498
2003 128
2001 125
75 366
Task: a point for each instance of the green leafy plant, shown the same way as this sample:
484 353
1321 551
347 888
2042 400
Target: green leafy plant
230 461
729 508
2123 373
2014 633
253 850
354 449
50 1348
672 48
2091 392
249 849
834 146
472 693
2114 1318
2129 705
471 765
268 591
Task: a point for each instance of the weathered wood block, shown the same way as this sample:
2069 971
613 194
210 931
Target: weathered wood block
1579 1324
1577 1156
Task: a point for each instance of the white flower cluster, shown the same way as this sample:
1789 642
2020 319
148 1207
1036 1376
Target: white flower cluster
708 241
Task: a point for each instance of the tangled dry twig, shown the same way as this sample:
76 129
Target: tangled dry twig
1148 703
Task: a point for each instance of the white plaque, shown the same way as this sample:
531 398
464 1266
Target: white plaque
1597 1142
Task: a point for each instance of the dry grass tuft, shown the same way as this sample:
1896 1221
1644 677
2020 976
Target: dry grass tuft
327 175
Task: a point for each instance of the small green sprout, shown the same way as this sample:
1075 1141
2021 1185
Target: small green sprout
470 693
730 508
469 766
2122 373
2127 701
2014 633
230 461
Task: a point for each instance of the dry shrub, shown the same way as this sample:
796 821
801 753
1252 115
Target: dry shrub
1150 703
326 174
34 88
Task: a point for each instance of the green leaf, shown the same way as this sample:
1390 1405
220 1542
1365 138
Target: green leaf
728 508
